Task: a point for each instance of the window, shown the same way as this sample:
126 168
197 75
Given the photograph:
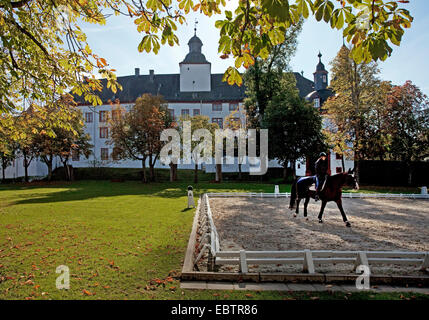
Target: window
103 116
219 121
324 78
339 169
338 156
171 111
317 103
104 132
217 107
233 106
196 112
88 117
185 112
75 155
116 114
104 154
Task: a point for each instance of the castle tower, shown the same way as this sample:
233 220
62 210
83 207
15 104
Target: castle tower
320 76
195 70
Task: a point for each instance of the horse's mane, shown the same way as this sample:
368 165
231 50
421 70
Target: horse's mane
338 176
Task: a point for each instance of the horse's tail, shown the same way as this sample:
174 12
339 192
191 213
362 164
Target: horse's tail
293 195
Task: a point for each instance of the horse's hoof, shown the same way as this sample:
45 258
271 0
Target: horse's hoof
306 219
320 221
294 215
348 224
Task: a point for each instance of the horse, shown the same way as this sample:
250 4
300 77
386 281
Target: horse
331 191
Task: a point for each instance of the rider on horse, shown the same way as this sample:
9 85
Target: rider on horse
321 167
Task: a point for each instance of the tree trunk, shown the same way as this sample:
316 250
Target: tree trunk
151 172
71 172
196 173
293 168
66 171
218 172
240 174
171 171
144 177
175 172
49 164
357 170
3 173
285 172
342 163
152 168
26 164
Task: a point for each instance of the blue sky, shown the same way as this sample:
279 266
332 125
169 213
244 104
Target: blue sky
117 41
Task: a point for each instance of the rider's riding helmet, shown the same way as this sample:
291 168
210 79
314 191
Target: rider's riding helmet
322 154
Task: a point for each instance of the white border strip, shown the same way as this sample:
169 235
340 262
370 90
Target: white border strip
344 195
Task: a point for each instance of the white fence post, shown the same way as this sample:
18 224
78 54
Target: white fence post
308 265
243 262
361 259
425 263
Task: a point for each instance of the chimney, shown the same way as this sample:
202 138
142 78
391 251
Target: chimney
151 75
137 71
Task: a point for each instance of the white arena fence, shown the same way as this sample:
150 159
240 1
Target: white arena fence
344 195
209 240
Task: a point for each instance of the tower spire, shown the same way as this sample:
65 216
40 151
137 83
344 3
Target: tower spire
195 27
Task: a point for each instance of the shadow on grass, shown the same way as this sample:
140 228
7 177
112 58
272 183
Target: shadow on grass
84 190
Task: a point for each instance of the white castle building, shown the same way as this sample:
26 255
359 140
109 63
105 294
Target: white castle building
192 91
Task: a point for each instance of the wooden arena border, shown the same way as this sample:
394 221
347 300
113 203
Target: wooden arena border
204 237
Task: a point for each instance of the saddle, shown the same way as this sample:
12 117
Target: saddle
313 186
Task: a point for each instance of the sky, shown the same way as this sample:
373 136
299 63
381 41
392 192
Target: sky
117 42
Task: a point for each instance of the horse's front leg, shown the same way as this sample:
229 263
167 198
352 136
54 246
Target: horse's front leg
322 208
307 200
343 214
297 207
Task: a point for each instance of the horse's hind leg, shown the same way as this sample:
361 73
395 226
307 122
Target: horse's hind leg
322 208
343 214
297 207
307 200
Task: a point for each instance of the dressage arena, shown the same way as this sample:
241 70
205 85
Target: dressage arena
263 229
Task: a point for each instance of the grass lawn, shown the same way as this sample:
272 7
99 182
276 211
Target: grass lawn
120 241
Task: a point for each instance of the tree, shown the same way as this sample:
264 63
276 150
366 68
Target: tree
377 137
294 126
26 124
198 122
339 141
8 145
348 110
407 115
73 143
59 138
44 52
234 121
136 134
263 79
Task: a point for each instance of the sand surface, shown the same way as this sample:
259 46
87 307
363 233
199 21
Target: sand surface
268 224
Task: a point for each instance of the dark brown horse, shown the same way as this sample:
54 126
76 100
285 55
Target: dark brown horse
331 192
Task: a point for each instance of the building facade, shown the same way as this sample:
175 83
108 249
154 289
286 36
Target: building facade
192 91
